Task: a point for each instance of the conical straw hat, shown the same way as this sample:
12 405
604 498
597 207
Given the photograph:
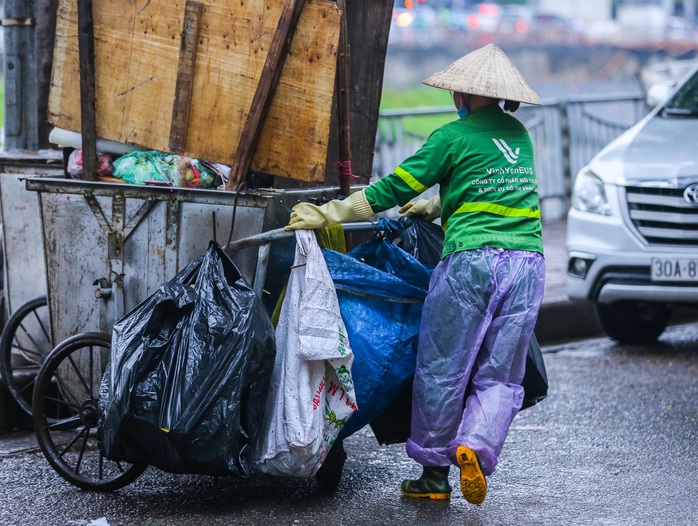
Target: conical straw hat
488 72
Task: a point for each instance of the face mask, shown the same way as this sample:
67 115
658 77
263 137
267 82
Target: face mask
463 110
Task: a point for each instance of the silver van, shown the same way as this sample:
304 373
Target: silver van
632 230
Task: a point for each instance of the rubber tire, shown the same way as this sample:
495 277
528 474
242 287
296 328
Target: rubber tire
6 344
330 473
42 393
633 321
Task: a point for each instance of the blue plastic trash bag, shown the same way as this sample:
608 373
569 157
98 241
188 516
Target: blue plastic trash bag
381 289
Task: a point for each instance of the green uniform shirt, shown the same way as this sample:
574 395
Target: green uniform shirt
488 185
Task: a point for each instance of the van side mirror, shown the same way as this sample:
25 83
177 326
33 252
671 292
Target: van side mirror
659 92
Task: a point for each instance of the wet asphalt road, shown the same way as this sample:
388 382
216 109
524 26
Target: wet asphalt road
615 443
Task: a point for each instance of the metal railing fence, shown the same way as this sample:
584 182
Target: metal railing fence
565 134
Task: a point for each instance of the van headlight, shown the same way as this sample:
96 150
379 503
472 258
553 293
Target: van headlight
588 194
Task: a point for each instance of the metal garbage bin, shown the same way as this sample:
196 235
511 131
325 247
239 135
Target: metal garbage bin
110 245
24 342
23 249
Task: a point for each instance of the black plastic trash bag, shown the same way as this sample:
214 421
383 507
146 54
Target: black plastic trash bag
535 381
423 239
189 372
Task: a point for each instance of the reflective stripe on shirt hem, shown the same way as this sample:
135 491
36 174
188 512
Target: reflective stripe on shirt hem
498 209
410 180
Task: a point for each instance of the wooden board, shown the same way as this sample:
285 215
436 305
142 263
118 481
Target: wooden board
137 49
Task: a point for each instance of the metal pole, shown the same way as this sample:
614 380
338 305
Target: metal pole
21 98
88 122
343 80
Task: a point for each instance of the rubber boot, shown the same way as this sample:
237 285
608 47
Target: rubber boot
433 484
472 481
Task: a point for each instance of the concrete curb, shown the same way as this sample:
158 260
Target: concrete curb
566 320
571 320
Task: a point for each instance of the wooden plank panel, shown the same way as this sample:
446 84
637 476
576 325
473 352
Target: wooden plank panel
86 52
137 46
264 93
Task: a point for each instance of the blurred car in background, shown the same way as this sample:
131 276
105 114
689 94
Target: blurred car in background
519 24
481 22
484 17
420 27
515 24
549 28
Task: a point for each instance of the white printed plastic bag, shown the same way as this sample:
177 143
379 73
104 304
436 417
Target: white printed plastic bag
312 391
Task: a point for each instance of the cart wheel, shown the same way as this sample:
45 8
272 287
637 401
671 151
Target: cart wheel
66 414
330 473
24 345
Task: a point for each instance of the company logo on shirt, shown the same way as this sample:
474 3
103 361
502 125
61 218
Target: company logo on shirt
510 155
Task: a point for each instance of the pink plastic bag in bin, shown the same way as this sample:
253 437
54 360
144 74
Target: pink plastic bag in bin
74 168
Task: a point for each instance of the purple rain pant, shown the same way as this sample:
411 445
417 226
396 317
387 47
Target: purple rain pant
476 326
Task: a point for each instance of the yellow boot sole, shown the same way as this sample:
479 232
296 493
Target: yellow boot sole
418 489
432 496
472 481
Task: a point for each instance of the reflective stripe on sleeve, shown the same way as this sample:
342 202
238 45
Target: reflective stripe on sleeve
410 180
498 209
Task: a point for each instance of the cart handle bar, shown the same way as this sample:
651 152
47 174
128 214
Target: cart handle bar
279 233
266 238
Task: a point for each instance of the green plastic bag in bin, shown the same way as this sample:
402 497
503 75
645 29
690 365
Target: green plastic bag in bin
143 167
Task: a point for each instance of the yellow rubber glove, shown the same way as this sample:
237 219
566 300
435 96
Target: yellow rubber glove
310 216
427 209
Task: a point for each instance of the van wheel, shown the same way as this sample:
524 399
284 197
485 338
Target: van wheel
633 321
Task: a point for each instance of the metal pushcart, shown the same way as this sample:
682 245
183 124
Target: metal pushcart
108 247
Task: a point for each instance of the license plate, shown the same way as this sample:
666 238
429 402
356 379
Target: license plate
674 269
